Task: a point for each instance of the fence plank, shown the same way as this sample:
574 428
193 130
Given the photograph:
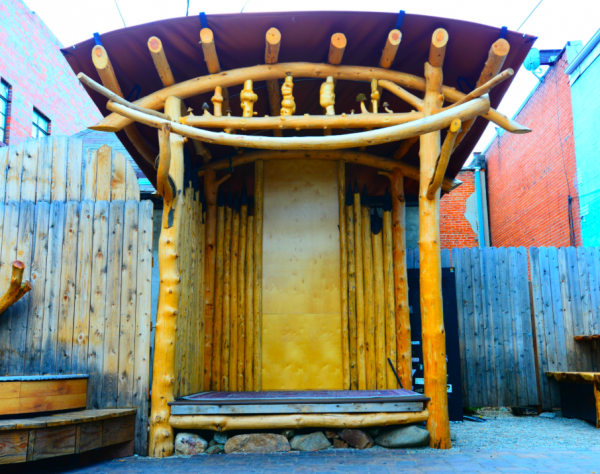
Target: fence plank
531 392
31 152
59 168
470 331
98 304
118 177
14 173
507 335
592 266
558 310
583 350
479 326
583 280
74 166
486 346
52 290
67 289
132 187
498 323
445 255
488 271
113 305
8 255
89 166
458 268
3 170
38 282
565 296
128 305
81 326
44 170
25 240
103 173
142 324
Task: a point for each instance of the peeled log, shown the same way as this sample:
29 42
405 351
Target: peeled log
17 287
273 422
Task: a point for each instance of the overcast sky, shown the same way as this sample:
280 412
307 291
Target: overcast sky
554 21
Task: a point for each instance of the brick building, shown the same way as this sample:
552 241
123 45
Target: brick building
39 93
533 193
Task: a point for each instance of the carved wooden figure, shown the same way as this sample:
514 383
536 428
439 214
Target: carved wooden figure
248 97
328 96
217 101
288 105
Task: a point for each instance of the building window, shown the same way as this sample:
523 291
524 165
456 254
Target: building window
40 126
4 111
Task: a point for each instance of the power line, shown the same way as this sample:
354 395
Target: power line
187 10
119 10
245 5
524 21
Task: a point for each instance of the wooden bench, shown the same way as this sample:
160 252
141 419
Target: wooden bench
31 439
590 378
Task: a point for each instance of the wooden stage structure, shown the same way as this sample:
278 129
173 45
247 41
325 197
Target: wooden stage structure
277 269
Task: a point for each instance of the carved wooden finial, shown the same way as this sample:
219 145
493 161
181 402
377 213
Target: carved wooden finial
248 97
217 101
375 95
288 105
328 96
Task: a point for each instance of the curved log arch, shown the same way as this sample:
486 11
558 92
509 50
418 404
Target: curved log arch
265 72
369 138
350 156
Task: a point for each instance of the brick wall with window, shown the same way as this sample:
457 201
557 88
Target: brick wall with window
40 79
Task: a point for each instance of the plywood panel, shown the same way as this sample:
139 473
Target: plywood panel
301 261
301 277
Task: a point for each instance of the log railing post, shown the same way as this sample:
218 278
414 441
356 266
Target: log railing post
430 267
258 248
344 273
163 378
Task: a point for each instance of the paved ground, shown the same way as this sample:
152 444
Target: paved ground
572 461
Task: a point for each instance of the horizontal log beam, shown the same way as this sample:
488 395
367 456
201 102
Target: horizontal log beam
368 138
350 156
272 422
301 121
201 85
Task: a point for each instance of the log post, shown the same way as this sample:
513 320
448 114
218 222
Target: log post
350 245
163 377
17 287
367 252
360 292
337 48
241 290
233 303
218 319
344 274
273 43
403 335
163 186
430 270
226 345
391 48
249 355
390 304
258 247
379 297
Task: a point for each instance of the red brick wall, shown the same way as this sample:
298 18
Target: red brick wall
529 176
455 229
31 62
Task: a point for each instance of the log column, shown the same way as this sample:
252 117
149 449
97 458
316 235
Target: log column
163 376
430 265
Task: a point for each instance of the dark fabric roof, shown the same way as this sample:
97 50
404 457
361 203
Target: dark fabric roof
240 42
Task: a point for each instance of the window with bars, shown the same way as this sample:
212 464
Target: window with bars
40 126
4 101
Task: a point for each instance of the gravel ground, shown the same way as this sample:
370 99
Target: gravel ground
506 431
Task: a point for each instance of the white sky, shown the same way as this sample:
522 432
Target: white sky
554 22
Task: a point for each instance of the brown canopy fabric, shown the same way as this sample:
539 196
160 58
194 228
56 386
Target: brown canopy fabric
240 42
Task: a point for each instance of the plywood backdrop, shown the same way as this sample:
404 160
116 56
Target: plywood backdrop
302 345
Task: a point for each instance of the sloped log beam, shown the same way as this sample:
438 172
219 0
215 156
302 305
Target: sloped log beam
443 160
301 121
17 287
163 186
273 43
369 138
350 156
484 89
109 79
402 93
391 48
404 147
209 49
200 85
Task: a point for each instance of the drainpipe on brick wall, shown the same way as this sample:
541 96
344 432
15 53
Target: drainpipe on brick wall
480 222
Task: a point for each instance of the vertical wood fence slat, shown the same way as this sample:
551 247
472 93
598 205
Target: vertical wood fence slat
14 173
3 168
490 336
74 165
507 333
59 168
44 170
31 152
457 259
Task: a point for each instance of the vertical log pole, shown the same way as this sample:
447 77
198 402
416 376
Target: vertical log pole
163 376
241 290
344 273
433 332
390 310
368 288
273 42
258 247
249 356
233 346
351 287
225 353
210 198
403 335
360 293
218 320
379 296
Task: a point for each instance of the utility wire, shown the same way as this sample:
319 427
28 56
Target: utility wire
245 5
187 10
120 14
525 21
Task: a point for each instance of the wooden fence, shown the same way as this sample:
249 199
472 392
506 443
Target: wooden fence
90 265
